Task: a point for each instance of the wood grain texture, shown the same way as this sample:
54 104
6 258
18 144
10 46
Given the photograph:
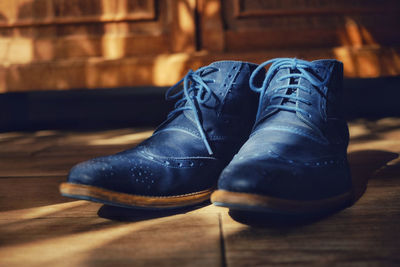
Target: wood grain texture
53 153
188 239
166 69
40 228
63 45
245 8
366 234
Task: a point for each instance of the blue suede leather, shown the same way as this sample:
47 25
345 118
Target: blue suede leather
297 149
216 109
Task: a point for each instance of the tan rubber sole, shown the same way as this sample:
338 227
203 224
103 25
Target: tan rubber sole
246 201
110 197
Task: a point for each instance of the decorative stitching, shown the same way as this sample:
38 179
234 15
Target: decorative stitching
291 130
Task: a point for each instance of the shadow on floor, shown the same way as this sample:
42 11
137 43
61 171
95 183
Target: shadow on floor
135 215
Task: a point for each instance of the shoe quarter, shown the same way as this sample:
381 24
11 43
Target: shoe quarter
235 114
316 110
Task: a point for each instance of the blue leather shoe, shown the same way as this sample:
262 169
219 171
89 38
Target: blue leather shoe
180 163
295 160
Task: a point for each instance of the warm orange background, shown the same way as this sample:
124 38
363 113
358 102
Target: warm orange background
67 44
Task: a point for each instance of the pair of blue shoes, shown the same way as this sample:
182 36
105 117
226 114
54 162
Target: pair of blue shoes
252 140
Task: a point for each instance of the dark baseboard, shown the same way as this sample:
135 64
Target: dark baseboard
372 98
145 106
83 109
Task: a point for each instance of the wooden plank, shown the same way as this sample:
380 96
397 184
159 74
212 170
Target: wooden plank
96 144
182 22
26 144
53 153
212 37
39 166
89 151
145 239
48 165
42 13
367 234
35 220
375 134
167 69
347 240
364 235
22 193
247 9
107 46
70 208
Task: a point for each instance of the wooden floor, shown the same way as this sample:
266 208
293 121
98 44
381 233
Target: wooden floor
38 227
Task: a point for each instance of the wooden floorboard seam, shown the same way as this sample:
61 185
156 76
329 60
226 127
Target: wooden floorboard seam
222 242
34 176
40 151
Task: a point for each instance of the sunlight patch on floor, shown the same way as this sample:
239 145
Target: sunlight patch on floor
121 140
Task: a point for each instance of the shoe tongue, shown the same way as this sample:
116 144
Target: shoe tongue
277 82
221 82
291 91
281 115
221 78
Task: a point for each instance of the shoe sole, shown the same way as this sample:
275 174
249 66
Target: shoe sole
96 194
259 203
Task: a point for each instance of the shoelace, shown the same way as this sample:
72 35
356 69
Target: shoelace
195 91
293 64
